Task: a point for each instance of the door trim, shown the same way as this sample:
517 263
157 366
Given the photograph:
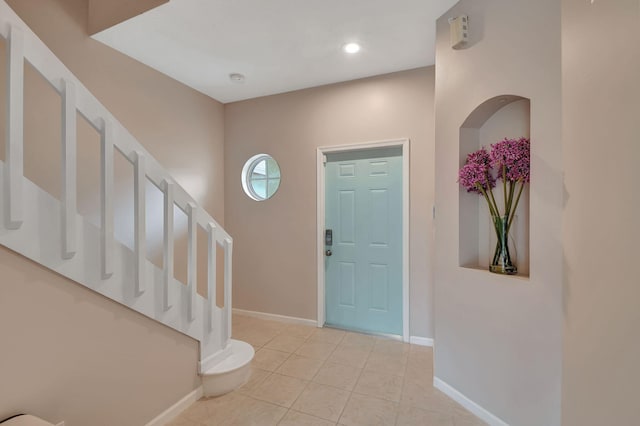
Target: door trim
320 220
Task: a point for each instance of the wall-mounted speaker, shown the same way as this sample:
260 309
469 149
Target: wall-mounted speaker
459 27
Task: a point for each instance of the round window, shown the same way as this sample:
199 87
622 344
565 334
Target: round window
260 177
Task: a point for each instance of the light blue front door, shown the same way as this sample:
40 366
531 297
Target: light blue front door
363 270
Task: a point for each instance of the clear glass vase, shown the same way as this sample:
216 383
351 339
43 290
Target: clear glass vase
502 263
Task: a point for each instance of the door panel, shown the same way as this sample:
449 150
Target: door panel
379 221
379 277
347 284
347 216
363 277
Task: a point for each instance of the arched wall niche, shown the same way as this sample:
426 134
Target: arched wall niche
504 116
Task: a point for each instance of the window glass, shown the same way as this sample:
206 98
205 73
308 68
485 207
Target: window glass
261 177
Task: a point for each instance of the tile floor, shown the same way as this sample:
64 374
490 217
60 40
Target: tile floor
308 376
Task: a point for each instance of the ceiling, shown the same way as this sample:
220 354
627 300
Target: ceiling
278 45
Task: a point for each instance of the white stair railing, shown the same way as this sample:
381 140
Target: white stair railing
90 256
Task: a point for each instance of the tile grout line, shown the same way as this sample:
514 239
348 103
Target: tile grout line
275 371
355 385
404 376
376 348
311 380
339 344
306 386
290 354
248 394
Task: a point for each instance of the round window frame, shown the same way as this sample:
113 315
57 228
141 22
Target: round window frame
247 171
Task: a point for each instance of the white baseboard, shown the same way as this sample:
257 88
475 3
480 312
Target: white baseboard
471 406
276 317
174 411
421 341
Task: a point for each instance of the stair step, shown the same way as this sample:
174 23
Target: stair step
230 373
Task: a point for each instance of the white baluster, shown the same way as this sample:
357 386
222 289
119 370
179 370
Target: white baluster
192 259
228 250
167 261
211 271
106 195
14 155
139 196
69 191
23 45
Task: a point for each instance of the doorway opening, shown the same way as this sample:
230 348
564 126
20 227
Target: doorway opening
385 272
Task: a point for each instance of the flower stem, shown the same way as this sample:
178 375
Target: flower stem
492 210
515 206
495 205
512 187
504 188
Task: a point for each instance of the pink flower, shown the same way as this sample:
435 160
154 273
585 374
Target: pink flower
477 171
514 156
511 160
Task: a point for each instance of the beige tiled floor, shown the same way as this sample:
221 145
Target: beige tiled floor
306 376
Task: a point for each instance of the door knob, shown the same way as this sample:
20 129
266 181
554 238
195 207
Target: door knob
328 253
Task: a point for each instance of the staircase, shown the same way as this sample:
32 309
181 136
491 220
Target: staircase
51 232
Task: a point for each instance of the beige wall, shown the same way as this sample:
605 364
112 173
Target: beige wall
105 14
183 129
71 355
498 338
275 240
601 142
132 368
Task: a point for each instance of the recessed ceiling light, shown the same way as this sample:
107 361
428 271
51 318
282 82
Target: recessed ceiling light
236 77
351 47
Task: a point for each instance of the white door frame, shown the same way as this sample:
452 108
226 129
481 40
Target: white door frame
320 215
